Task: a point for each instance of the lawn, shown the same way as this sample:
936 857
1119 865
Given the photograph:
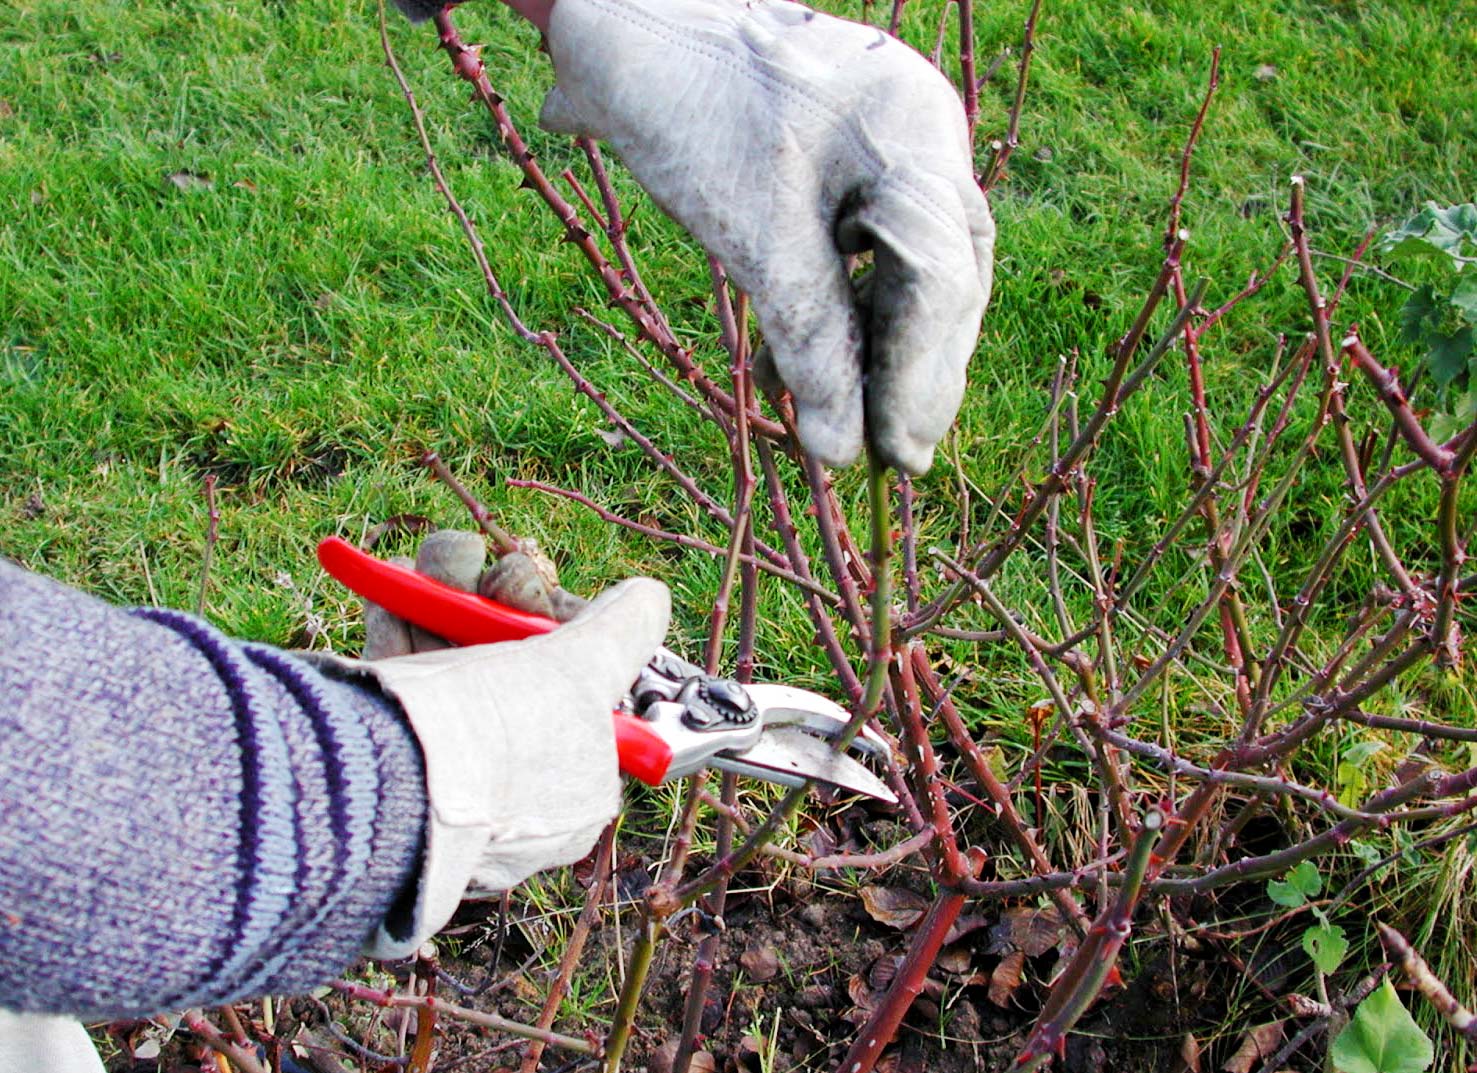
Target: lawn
221 257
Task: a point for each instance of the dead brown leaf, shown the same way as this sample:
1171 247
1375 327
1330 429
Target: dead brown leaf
1255 1048
897 907
1032 931
883 971
963 926
954 959
1190 1053
862 996
1007 978
760 963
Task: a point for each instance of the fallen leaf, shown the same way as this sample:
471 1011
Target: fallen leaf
954 959
1190 1053
613 437
964 926
897 907
6 110
245 184
1256 1046
1032 931
1007 978
883 971
662 1058
189 181
861 995
760 963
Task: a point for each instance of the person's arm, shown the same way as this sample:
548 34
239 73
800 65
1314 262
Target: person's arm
188 820
185 819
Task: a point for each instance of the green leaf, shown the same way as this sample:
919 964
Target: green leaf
1447 357
1326 945
1382 1038
1420 313
1359 753
1301 884
1464 296
1435 232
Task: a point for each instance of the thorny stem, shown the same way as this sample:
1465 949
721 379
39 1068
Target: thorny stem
1108 773
967 79
883 1024
501 539
1427 982
743 537
680 539
468 67
569 959
925 768
995 169
1332 402
999 795
1118 386
1096 959
239 1056
632 988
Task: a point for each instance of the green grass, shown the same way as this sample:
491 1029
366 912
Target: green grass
306 321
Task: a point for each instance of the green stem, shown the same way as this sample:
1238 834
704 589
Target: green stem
881 603
632 988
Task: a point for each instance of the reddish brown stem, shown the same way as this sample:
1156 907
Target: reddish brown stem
906 985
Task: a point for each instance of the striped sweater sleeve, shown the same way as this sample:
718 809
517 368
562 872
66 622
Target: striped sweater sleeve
185 819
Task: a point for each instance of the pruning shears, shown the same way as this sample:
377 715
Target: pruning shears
676 720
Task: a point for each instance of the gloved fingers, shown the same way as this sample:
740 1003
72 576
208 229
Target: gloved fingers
451 556
812 339
386 635
934 244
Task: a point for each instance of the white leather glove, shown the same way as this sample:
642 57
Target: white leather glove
784 139
519 745
34 1042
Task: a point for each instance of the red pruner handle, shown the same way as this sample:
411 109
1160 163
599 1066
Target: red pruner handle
644 754
464 618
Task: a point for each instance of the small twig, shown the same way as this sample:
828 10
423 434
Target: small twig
1427 983
394 999
500 537
245 1060
1000 157
569 959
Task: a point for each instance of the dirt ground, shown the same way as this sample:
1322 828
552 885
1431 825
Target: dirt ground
803 961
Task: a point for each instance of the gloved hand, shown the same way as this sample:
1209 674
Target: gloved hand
784 139
518 740
523 580
30 1042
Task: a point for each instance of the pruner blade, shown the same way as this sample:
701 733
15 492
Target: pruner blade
790 756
